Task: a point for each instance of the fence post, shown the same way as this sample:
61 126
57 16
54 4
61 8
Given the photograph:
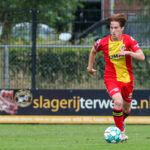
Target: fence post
34 27
112 3
6 67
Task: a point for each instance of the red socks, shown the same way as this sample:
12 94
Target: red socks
118 118
125 115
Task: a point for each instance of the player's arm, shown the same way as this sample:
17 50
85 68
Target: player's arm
92 58
138 55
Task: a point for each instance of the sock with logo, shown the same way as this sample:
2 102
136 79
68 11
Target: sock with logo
118 118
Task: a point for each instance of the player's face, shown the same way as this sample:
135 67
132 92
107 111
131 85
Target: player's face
116 30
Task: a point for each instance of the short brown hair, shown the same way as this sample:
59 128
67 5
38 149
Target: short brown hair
121 18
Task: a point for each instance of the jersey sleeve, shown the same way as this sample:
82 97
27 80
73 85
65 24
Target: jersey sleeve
97 45
133 44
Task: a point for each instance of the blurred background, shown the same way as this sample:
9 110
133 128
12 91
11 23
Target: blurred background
45 44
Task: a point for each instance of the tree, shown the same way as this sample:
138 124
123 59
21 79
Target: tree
54 12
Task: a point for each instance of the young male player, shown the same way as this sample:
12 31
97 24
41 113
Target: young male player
118 49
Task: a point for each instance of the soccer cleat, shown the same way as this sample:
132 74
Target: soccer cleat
123 137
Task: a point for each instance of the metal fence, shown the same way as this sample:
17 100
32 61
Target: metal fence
35 55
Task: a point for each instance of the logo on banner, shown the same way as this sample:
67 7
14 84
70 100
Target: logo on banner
74 103
23 98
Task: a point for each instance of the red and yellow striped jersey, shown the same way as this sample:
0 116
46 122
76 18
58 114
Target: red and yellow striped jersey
117 67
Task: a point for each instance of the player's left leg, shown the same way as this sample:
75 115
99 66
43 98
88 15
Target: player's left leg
127 92
126 109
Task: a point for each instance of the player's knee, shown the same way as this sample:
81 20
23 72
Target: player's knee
118 103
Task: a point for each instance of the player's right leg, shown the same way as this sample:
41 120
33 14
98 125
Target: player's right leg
115 92
118 114
117 110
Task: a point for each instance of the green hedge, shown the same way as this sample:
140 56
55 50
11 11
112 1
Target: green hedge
68 66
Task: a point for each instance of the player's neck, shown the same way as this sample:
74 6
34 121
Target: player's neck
116 38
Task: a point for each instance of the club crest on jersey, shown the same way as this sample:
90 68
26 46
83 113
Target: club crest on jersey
123 47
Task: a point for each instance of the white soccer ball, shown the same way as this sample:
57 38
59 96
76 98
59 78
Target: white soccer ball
112 135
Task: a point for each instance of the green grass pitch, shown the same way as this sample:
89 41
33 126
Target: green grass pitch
69 137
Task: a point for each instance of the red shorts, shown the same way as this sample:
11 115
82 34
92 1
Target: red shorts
126 89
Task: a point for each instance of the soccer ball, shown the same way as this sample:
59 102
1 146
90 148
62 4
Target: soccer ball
112 135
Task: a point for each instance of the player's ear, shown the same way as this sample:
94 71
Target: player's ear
122 28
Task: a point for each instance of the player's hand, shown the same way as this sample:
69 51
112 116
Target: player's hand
124 53
91 71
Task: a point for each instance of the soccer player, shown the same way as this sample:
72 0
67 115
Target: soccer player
118 49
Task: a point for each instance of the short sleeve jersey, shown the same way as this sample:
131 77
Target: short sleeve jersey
117 67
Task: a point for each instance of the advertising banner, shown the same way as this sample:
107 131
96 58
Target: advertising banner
73 106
